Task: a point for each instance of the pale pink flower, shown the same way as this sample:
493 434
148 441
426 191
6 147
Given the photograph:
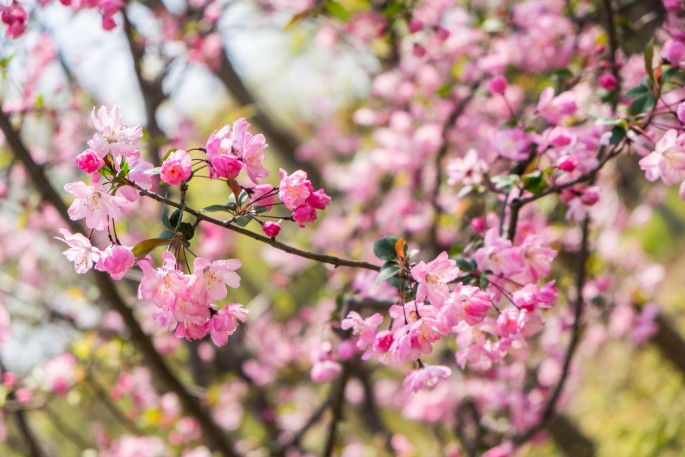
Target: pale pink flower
325 370
667 161
58 374
225 322
513 144
364 329
163 285
433 278
555 108
176 168
80 251
94 203
466 171
294 189
116 260
427 376
674 52
113 135
209 279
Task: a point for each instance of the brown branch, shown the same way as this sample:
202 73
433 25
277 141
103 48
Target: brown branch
337 403
581 276
214 435
151 91
610 27
322 258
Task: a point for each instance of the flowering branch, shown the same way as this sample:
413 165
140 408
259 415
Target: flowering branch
322 258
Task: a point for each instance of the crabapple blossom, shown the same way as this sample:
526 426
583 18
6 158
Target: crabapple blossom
433 278
294 189
89 162
176 168
209 279
80 251
426 376
667 161
116 260
113 135
94 203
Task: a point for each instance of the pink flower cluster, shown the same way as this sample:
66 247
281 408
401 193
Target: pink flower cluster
14 17
232 149
488 322
186 302
297 194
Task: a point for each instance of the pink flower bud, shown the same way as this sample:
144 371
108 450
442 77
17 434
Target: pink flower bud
415 26
497 85
346 350
418 51
673 51
89 162
607 81
9 379
478 225
590 196
271 229
567 163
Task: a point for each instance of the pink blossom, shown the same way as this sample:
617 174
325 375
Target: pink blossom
58 373
163 285
513 144
426 376
559 137
80 251
680 111
95 204
476 307
304 213
608 81
116 260
318 199
667 161
555 108
325 370
271 229
433 278
209 279
263 195
505 449
466 171
176 168
673 51
113 135
497 85
89 162
225 322
294 189
14 16
364 329
225 166
567 163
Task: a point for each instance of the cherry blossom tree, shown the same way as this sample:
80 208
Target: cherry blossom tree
422 269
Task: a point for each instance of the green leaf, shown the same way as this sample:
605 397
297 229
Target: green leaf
649 60
668 73
165 219
168 153
243 198
505 182
534 182
637 91
153 171
175 219
444 90
618 133
384 248
214 208
464 265
338 11
643 104
259 209
387 273
483 281
464 191
187 230
298 17
143 248
243 220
